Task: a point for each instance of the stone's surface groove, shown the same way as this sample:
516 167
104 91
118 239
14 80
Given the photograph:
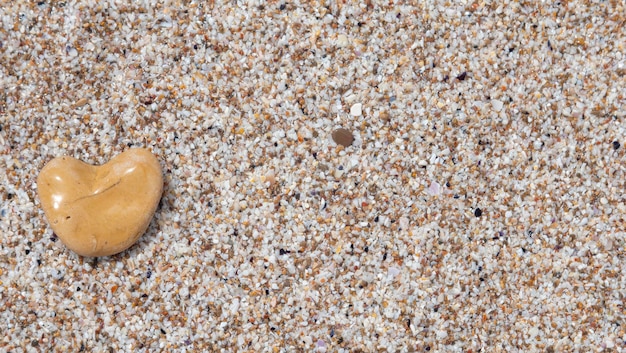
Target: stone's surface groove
101 210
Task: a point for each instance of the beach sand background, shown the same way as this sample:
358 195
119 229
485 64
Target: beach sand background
480 207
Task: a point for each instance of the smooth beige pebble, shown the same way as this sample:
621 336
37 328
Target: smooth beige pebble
101 210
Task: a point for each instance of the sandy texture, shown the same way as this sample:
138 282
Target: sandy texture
480 207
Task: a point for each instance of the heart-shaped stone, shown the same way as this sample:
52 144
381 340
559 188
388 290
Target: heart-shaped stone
101 210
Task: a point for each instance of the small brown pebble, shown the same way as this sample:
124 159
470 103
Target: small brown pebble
343 137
